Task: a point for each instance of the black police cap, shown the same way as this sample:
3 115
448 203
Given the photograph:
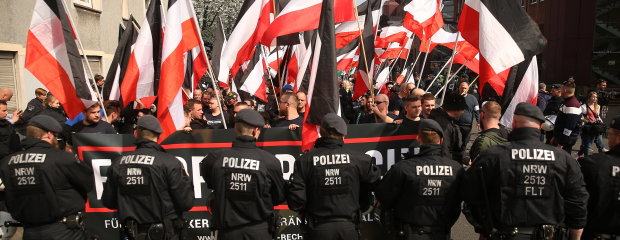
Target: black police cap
334 122
556 86
615 123
250 117
430 125
529 110
454 101
150 123
46 123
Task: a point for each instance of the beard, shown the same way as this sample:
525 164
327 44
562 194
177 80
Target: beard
92 120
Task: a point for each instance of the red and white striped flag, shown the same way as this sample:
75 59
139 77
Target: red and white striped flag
423 17
253 80
182 36
53 58
144 65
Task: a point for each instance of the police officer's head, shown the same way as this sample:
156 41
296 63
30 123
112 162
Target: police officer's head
333 126
527 115
248 123
148 127
430 132
45 128
454 105
614 132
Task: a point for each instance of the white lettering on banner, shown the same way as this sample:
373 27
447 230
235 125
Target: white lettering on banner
533 154
199 223
112 223
291 236
197 179
615 171
287 170
99 179
210 237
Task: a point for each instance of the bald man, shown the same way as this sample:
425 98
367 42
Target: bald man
5 95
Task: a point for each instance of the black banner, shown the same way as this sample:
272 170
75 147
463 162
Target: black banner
384 142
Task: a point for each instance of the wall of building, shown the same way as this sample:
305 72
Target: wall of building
97 27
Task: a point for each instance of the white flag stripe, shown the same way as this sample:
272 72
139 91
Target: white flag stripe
144 59
239 37
296 5
181 13
421 10
526 92
496 45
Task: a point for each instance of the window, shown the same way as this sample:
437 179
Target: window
92 5
95 65
84 3
8 76
534 2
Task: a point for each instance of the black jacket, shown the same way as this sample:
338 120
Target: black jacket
9 140
246 181
452 138
602 175
528 184
330 181
423 190
148 185
44 184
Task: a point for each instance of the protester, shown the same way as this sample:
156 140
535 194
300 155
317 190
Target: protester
379 111
214 118
35 106
428 104
9 141
553 108
543 97
92 122
471 113
447 116
413 108
290 118
5 95
196 115
567 125
303 98
197 94
492 133
593 124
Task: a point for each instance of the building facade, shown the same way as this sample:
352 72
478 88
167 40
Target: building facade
97 25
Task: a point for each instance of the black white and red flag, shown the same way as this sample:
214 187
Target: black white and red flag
181 37
323 84
423 17
253 80
118 67
505 36
303 15
143 69
522 86
363 80
53 58
252 21
216 54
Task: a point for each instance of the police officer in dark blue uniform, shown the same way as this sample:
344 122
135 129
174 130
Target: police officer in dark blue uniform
602 175
423 191
149 187
46 187
246 181
526 189
329 182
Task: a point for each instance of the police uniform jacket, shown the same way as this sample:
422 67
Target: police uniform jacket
34 107
452 138
148 185
9 140
423 190
44 184
528 184
247 182
329 181
602 175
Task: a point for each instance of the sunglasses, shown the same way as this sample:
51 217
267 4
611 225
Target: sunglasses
380 102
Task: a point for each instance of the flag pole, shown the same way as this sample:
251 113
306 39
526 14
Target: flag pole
90 81
408 54
442 68
269 75
474 81
359 28
450 79
413 69
209 68
428 48
456 43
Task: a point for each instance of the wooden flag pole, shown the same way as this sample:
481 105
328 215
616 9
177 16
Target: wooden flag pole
359 28
456 43
90 81
269 75
409 74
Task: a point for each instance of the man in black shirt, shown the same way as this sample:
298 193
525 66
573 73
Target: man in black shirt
553 107
196 115
380 112
288 109
92 122
413 108
214 118
9 141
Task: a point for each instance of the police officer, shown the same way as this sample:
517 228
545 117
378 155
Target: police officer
526 189
602 175
246 181
45 186
330 184
423 191
149 187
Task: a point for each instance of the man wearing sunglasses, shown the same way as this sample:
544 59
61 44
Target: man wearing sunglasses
380 112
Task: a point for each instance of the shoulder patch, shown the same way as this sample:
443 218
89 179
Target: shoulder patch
30 107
